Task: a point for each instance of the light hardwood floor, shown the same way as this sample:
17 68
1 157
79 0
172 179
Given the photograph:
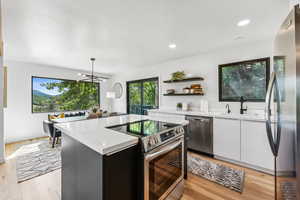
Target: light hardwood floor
258 186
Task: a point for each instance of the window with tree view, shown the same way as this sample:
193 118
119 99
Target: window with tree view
248 79
142 95
57 95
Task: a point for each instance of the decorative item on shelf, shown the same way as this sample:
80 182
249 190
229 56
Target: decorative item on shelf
185 106
170 91
196 89
186 90
196 86
95 113
204 106
179 106
191 76
179 75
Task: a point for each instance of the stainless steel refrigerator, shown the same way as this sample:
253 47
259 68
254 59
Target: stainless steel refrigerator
283 108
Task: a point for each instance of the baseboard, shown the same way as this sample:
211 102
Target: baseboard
257 168
260 169
25 139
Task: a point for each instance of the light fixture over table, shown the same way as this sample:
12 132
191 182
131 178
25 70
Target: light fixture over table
92 77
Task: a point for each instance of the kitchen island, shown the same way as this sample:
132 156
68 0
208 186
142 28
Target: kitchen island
100 163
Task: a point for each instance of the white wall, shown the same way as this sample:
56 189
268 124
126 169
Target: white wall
205 65
20 123
1 94
1 113
292 3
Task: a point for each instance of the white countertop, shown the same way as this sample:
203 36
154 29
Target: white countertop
69 119
94 134
250 117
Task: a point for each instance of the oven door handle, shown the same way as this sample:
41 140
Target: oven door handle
163 150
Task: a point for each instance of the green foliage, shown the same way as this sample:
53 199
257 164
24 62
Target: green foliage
247 80
279 68
74 96
178 75
150 95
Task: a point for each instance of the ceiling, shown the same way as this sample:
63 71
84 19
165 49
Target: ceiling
130 34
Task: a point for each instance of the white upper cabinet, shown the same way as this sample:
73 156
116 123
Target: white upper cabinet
227 137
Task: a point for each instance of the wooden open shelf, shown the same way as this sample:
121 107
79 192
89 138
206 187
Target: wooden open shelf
185 80
183 94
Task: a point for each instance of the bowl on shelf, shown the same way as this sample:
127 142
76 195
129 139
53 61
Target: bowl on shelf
170 91
186 90
191 76
196 86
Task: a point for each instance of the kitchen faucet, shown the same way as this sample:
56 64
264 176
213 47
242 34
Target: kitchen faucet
228 109
242 110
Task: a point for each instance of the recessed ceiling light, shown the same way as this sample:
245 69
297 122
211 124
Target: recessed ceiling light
172 46
243 22
239 37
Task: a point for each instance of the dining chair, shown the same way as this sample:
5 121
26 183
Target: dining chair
49 130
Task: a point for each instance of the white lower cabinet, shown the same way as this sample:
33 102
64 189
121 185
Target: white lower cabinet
243 142
227 138
255 148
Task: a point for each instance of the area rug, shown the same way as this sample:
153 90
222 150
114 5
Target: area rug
36 159
223 175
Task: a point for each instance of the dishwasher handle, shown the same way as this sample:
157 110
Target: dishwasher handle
198 119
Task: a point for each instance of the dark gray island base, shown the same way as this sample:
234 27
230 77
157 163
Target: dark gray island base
88 175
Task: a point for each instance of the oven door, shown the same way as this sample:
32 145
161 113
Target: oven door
163 170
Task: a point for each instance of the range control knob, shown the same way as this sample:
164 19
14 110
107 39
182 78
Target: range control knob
152 141
179 130
156 140
148 143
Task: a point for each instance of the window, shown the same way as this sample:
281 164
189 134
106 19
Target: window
248 79
142 95
58 95
279 68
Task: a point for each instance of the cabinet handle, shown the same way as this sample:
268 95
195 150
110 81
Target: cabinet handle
274 142
196 119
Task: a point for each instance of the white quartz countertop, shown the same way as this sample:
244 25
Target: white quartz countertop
94 134
250 117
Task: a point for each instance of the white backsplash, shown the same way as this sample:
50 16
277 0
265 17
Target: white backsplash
206 66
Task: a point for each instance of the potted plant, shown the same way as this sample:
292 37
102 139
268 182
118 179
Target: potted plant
179 106
179 75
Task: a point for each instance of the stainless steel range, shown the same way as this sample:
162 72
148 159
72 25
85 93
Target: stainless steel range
162 146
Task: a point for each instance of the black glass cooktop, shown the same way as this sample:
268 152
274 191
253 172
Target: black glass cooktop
143 128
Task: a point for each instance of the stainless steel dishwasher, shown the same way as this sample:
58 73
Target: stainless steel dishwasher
200 134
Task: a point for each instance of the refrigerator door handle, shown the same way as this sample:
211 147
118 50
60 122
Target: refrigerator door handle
278 120
268 114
